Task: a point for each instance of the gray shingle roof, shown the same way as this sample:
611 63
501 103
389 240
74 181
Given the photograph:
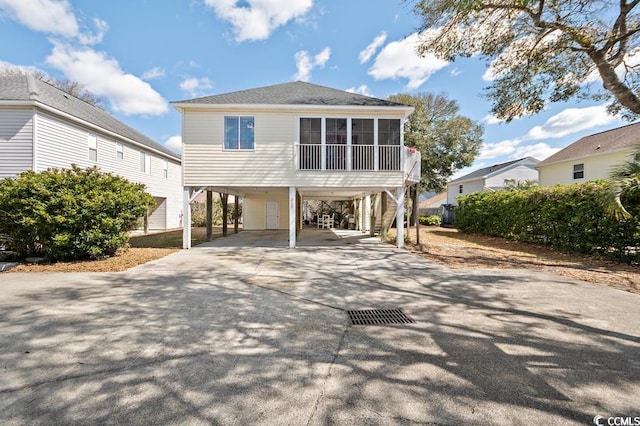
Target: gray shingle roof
28 88
492 169
295 93
608 141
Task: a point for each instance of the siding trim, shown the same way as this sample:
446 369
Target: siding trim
34 133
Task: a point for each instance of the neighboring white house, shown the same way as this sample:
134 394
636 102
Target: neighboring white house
42 127
590 158
492 178
278 145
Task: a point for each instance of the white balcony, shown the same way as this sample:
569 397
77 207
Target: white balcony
342 157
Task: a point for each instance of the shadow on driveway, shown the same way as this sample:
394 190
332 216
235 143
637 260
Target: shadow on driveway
233 333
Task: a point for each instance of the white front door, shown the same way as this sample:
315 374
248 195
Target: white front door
273 215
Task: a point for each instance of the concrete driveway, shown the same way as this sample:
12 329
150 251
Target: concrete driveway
244 331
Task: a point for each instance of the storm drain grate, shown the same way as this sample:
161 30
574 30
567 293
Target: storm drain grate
379 317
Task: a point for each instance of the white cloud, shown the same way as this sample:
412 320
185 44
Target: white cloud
102 75
540 151
492 119
27 69
565 123
305 64
372 48
498 149
455 72
399 59
363 89
101 29
153 73
257 19
48 16
572 120
196 86
174 143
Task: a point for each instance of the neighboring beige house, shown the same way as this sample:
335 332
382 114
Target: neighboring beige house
42 127
277 146
591 157
492 178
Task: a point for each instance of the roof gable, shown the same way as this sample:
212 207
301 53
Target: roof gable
295 93
613 140
30 89
491 170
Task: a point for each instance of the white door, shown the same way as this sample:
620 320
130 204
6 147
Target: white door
273 215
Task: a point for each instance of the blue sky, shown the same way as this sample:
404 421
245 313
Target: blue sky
142 54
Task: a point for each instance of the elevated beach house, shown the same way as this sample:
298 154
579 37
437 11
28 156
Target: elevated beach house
277 146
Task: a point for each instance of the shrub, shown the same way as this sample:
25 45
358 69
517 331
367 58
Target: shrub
69 214
431 220
572 218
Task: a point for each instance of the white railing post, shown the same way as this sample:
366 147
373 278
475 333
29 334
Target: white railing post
323 144
376 154
349 144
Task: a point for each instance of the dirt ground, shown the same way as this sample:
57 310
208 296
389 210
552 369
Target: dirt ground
454 249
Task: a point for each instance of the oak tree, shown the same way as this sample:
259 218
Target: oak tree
542 51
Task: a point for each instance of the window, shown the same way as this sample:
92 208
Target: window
362 131
238 133
388 132
310 131
165 169
336 135
578 171
119 151
145 163
93 147
460 189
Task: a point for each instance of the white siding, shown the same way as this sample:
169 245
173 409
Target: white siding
596 167
158 218
16 141
519 173
453 190
272 163
61 144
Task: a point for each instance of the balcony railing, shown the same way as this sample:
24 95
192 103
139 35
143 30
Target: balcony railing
350 157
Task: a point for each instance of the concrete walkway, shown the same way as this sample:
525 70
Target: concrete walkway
244 331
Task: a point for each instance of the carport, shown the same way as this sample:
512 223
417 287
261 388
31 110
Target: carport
290 206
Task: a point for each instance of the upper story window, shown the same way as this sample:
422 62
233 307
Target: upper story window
388 132
145 162
92 144
310 131
238 133
165 169
578 171
336 130
119 151
362 131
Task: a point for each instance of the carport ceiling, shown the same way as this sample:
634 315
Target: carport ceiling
308 193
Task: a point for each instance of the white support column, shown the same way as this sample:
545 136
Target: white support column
376 150
400 217
323 143
292 216
186 218
349 150
367 213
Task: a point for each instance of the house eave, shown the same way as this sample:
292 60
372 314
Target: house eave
181 106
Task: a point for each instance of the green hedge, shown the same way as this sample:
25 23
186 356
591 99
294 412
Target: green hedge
431 220
572 218
69 214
